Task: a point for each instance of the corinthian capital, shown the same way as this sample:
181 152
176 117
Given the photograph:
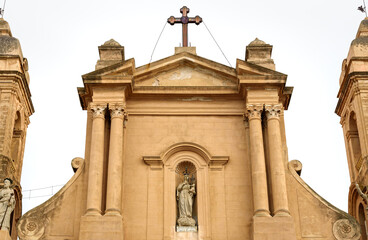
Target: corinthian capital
117 110
254 111
98 110
273 111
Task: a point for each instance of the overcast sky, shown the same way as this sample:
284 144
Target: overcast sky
60 39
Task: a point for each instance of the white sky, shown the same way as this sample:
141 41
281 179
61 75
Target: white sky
60 39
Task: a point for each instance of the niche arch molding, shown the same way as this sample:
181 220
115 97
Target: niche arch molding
214 162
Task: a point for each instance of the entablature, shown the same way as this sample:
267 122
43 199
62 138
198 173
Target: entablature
16 81
353 83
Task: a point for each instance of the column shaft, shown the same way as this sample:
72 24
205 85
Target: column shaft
259 176
278 181
95 171
114 177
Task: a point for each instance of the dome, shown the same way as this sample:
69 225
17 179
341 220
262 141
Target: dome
9 45
257 42
5 28
112 43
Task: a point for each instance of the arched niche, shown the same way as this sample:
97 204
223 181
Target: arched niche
17 143
189 169
202 189
203 162
357 209
362 221
354 141
214 162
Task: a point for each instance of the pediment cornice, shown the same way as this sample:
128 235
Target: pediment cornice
121 70
244 68
183 73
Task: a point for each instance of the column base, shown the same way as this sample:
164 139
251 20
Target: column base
93 212
101 227
4 235
262 213
275 228
112 212
282 213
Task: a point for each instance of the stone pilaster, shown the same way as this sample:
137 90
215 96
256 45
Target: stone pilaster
114 176
259 176
95 176
279 191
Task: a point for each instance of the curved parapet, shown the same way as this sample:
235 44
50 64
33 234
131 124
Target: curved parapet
311 212
42 220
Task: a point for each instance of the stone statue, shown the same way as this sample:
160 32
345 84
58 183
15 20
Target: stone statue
7 204
185 195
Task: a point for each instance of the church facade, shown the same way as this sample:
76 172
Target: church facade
186 121
181 148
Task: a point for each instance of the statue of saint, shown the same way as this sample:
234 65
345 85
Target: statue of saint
7 204
184 195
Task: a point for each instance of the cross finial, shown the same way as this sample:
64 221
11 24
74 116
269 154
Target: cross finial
184 20
2 10
184 10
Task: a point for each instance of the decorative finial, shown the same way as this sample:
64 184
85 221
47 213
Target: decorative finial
363 9
184 20
2 10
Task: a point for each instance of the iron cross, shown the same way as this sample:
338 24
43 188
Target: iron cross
184 20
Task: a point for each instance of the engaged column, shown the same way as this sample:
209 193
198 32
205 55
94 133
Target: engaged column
95 171
259 177
279 191
114 176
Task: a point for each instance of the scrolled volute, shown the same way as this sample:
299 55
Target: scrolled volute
77 163
296 165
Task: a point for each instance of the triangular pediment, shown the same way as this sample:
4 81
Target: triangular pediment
185 70
182 70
